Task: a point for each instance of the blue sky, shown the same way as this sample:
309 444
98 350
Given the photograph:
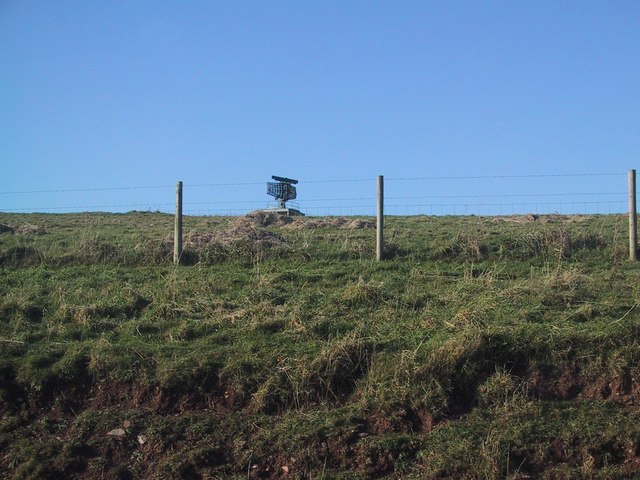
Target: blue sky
144 93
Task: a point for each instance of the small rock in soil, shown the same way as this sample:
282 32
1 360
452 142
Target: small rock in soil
117 433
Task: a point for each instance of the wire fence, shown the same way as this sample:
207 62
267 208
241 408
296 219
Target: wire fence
486 195
473 198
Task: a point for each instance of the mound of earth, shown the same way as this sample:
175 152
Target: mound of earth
28 229
4 228
264 219
20 257
240 232
267 219
332 222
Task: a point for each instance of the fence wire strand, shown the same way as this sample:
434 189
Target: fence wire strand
362 203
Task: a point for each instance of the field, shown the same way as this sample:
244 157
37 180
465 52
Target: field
495 347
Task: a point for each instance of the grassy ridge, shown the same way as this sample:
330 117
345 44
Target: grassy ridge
483 348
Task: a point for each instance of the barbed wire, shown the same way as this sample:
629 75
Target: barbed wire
238 184
349 180
356 202
508 195
130 205
332 199
75 190
484 177
512 204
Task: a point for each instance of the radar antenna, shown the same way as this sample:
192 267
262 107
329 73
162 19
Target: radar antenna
283 190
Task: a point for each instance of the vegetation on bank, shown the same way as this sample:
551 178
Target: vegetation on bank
503 347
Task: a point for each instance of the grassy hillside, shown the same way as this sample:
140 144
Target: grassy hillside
482 348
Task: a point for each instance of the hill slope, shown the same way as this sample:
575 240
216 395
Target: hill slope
482 348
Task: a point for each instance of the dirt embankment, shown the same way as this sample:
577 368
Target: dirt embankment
152 427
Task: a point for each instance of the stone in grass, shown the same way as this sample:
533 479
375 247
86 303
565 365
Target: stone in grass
117 433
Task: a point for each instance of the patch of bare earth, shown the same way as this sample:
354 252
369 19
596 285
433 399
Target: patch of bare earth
567 384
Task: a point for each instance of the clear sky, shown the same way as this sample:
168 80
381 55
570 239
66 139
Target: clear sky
147 92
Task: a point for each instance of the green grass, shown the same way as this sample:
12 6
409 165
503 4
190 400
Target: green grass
482 348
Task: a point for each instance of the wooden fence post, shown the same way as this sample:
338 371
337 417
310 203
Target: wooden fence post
177 238
380 220
633 219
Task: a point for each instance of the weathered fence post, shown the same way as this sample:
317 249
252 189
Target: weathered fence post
633 219
380 220
177 238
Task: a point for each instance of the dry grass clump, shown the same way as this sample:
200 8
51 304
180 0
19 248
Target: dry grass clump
466 246
452 351
363 294
589 241
330 377
154 251
21 257
93 250
440 375
333 373
356 248
502 390
565 287
466 317
554 243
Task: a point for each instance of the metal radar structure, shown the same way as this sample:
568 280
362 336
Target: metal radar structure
283 190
